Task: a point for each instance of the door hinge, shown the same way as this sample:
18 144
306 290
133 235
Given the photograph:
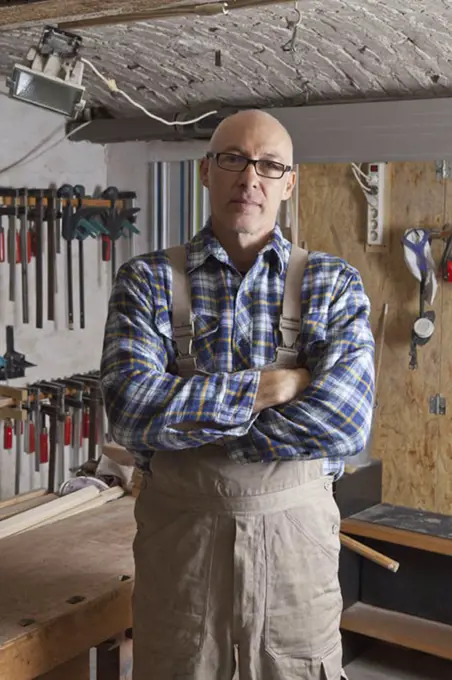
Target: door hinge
438 405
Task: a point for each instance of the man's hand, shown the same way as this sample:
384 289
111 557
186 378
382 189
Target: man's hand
280 386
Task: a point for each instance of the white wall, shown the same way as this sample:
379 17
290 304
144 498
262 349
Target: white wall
133 160
55 350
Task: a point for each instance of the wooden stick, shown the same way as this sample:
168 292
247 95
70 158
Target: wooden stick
369 553
104 497
30 518
381 348
16 509
22 497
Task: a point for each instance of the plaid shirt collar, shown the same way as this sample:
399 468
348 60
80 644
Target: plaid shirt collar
205 244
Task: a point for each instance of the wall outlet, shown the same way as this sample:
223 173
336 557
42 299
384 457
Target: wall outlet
377 206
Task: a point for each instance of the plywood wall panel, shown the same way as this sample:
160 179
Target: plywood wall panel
332 218
444 467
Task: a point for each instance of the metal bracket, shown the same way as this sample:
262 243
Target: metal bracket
443 170
438 405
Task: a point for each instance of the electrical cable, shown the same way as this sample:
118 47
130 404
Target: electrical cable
111 84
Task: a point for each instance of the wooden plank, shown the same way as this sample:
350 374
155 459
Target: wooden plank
52 10
66 589
410 539
34 516
25 505
333 219
22 497
75 669
15 393
399 629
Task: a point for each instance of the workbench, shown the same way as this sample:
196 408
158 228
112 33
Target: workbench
66 588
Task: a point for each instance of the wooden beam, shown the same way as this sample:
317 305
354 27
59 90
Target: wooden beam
52 11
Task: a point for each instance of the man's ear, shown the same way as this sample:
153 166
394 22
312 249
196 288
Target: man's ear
290 185
204 172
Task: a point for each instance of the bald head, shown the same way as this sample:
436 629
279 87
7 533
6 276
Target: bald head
259 129
245 195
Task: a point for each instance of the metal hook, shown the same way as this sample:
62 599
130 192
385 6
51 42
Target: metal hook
289 46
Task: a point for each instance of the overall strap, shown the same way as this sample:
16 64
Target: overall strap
290 319
183 328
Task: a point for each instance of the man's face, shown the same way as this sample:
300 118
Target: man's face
246 202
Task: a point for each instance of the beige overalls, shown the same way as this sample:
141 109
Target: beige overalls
236 565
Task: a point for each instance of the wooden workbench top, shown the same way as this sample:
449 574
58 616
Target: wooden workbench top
65 587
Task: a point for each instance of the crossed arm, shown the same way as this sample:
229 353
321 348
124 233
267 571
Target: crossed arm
328 408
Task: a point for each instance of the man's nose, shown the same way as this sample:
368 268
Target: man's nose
249 176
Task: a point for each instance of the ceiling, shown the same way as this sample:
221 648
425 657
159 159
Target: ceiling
344 50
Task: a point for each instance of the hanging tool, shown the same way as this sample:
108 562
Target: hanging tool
118 222
38 215
12 364
79 192
18 470
75 403
24 250
56 412
13 252
2 239
423 328
36 419
68 234
51 218
92 400
420 262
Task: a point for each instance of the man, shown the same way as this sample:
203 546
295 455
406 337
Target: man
238 533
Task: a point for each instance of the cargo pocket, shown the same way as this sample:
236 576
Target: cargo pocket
173 553
303 598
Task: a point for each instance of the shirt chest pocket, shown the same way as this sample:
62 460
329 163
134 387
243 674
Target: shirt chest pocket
314 329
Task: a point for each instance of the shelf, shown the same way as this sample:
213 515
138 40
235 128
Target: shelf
400 629
410 539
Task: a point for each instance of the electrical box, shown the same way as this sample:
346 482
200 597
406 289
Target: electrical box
378 181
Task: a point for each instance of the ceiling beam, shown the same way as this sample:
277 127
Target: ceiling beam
410 130
53 11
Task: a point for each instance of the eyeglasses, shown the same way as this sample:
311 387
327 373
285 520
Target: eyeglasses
236 163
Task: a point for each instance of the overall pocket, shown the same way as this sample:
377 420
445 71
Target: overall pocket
303 598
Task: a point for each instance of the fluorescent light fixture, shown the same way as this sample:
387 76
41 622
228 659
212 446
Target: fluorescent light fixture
52 76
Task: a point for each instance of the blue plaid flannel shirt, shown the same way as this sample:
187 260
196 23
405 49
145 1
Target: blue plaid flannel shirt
236 321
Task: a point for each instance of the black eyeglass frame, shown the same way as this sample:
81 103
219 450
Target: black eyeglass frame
211 155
